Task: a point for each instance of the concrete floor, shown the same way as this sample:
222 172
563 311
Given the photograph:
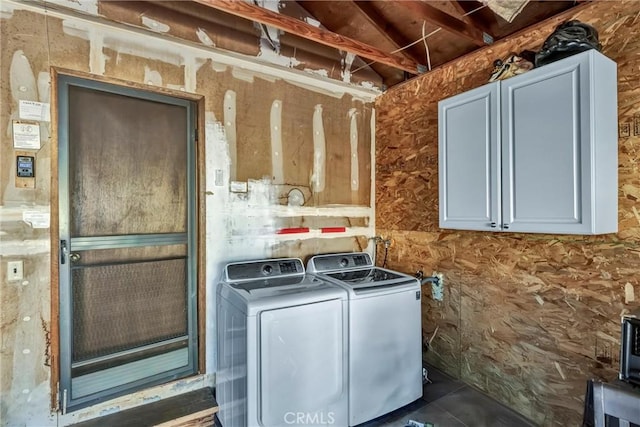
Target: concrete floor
447 402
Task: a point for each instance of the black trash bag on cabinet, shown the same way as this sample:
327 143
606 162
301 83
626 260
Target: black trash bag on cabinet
567 39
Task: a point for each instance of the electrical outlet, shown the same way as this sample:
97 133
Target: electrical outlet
14 270
437 288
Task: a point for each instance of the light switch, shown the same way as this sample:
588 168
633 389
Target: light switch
14 270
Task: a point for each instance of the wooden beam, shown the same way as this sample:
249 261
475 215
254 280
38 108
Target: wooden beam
447 22
462 11
384 28
307 31
466 6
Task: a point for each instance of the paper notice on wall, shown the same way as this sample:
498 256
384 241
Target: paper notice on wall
32 110
26 135
36 219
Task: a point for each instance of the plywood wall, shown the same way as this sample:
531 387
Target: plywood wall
526 318
271 128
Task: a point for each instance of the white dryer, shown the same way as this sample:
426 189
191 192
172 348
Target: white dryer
385 333
282 341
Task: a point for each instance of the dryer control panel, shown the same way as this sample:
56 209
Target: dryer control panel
330 262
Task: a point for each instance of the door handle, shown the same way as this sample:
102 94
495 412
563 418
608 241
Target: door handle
74 257
64 251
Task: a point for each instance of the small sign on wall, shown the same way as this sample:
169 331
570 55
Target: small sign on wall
25 169
32 110
26 135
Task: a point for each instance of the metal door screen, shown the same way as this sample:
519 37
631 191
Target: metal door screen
127 266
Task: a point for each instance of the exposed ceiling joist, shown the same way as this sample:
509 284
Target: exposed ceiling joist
307 31
463 7
466 6
446 22
383 28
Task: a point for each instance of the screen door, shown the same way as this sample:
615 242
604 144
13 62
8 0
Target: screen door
127 240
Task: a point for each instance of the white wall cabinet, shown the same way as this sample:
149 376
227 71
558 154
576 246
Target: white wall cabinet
535 153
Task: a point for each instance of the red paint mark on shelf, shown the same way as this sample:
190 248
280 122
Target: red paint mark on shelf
333 229
293 230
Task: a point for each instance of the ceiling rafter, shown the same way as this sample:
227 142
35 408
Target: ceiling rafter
384 28
462 8
466 6
447 22
307 31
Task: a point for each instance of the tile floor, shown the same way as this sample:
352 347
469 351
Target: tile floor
447 402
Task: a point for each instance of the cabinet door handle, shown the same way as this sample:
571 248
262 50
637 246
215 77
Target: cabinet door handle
505 226
493 225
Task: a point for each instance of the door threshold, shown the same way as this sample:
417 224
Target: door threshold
195 408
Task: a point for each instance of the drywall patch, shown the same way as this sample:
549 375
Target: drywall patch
368 85
123 42
353 138
152 77
347 62
322 72
97 59
277 168
242 74
219 67
319 151
144 47
191 67
204 37
22 80
153 25
229 108
273 57
250 76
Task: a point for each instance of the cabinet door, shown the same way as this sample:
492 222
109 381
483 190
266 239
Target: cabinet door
469 159
546 155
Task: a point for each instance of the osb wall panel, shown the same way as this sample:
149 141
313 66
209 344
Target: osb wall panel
526 318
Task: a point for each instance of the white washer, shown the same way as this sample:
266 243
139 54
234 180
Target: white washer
385 333
282 340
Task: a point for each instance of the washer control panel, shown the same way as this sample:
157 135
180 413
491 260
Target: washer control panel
264 268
